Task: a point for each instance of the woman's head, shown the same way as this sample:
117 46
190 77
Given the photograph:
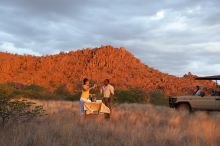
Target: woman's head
85 81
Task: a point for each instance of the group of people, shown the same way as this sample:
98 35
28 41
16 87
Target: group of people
203 91
106 91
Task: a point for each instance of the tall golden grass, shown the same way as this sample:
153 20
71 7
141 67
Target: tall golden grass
130 125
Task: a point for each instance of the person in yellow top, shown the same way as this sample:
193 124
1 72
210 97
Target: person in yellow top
85 94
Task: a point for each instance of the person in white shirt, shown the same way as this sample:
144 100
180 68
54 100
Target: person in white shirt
107 92
201 92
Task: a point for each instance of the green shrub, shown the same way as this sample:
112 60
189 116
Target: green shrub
62 91
74 97
158 98
16 93
134 95
34 88
14 90
137 95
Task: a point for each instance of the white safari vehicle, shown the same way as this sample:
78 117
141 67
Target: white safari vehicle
198 102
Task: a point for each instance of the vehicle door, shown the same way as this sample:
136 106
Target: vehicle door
209 102
217 103
203 103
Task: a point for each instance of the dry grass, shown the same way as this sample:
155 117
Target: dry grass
130 125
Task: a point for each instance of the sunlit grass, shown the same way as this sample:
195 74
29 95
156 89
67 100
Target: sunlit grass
131 124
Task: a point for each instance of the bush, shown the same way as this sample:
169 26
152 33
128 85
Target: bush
14 90
62 91
35 88
74 97
35 92
158 98
17 110
134 95
137 95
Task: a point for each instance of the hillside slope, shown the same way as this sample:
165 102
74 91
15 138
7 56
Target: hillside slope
120 66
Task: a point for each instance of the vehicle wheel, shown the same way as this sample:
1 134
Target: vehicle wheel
184 108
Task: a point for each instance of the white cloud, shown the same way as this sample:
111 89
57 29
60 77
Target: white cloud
176 26
194 10
159 15
212 47
9 47
203 69
172 36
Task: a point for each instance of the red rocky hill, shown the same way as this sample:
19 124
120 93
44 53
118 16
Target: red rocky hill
120 66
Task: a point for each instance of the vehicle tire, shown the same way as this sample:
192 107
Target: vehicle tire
184 108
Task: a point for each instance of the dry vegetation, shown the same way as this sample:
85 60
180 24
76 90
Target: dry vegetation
131 124
66 70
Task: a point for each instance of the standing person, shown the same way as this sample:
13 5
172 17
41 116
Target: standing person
107 92
85 94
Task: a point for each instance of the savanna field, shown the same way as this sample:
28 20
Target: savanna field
127 61
130 125
54 81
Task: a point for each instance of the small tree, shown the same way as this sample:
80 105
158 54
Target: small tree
18 110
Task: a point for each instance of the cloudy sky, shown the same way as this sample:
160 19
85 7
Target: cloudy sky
174 36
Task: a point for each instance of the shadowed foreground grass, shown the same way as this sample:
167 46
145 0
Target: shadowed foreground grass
130 125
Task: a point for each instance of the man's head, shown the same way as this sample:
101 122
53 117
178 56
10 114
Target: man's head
106 82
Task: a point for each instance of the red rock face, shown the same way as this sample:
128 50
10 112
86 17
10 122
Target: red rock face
117 64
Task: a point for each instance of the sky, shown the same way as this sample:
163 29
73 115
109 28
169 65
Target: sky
174 36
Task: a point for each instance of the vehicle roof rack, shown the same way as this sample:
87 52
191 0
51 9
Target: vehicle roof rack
217 77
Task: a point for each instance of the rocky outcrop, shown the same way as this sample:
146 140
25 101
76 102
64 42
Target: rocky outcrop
120 66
